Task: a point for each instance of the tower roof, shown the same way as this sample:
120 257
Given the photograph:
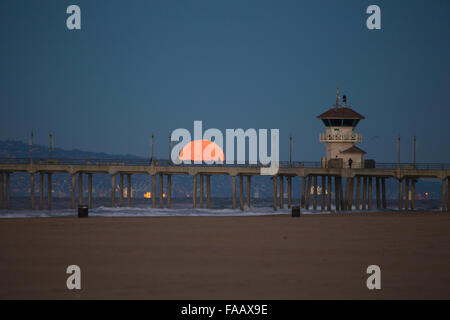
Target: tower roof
354 149
340 113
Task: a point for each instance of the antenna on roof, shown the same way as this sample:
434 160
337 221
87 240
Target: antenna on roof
337 98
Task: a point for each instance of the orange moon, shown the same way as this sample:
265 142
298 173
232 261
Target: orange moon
206 151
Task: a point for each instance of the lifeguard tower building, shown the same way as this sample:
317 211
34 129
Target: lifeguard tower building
340 137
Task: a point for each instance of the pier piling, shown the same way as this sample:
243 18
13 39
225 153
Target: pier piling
274 192
289 191
80 188
201 190
194 191
49 191
153 195
364 198
358 192
31 190
89 190
129 190
161 190
169 190
2 181
281 192
113 190
41 190
329 185
208 191
241 192
383 192
72 191
233 191
249 186
8 191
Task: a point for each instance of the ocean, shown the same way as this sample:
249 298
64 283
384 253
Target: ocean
20 208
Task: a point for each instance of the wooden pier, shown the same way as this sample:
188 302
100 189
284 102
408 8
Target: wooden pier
344 191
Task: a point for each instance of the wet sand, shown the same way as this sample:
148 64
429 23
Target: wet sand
267 257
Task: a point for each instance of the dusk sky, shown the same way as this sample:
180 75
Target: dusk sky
138 67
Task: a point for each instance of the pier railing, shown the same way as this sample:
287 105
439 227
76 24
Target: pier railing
165 162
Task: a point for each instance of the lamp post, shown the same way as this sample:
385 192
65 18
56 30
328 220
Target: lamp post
415 148
398 150
170 148
50 150
153 143
31 147
290 150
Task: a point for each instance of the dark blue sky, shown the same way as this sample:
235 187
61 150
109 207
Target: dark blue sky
143 66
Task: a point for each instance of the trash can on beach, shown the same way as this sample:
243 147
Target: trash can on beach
295 211
83 211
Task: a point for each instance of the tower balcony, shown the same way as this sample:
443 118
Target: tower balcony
341 137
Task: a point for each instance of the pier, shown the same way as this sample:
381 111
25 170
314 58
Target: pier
341 185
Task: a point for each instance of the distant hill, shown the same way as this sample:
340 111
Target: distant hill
20 149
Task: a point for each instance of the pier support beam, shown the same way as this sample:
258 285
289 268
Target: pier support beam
8 191
364 199
281 192
169 190
153 191
302 199
233 192
341 193
89 190
383 192
41 190
241 192
400 194
369 194
448 195
289 191
129 190
308 193
113 190
249 188
201 190
194 191
80 188
329 185
274 192
322 194
208 191
121 191
358 192
444 195
336 193
49 191
377 186
31 190
2 192
161 190
350 194
315 193
406 194
413 194
72 191
347 193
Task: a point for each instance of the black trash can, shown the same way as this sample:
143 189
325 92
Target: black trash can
295 211
83 211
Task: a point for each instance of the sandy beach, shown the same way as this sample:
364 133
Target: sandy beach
268 257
